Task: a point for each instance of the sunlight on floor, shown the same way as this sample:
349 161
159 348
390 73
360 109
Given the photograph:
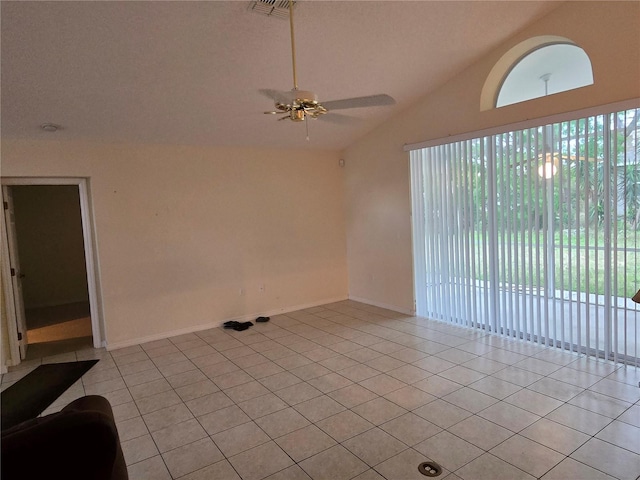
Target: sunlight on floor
80 327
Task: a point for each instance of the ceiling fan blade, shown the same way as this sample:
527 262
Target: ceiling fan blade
339 119
359 102
276 95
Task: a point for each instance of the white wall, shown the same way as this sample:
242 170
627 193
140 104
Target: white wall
180 230
377 192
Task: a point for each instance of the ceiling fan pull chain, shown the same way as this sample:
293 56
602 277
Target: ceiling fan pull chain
293 46
306 121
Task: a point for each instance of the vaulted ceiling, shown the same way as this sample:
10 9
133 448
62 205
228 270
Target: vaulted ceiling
189 73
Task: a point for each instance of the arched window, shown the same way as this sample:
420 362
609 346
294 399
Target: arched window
535 68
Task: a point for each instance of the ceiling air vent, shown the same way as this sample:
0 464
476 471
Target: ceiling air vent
271 8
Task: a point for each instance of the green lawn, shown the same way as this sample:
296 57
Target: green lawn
579 262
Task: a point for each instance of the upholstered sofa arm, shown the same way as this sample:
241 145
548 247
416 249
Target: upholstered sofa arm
80 442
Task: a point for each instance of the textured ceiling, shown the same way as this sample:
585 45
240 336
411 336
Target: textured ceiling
189 72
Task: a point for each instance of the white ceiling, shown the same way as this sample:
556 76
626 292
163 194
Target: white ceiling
189 72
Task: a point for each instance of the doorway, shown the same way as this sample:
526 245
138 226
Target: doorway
52 266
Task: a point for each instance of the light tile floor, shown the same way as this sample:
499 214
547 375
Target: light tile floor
351 391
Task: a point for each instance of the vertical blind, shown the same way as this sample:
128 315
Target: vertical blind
534 234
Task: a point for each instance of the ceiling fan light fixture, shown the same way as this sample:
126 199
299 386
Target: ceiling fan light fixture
547 170
297 115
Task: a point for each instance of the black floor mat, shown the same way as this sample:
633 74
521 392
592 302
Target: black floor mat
31 395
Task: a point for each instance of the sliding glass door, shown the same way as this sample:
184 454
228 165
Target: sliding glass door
534 234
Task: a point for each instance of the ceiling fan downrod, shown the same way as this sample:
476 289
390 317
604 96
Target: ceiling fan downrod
293 46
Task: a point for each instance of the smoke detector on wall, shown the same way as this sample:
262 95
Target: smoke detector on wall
50 127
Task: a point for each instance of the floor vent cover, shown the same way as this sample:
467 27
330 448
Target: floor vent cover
430 469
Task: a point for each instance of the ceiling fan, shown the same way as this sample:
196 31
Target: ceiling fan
299 105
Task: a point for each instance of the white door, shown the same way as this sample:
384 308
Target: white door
16 273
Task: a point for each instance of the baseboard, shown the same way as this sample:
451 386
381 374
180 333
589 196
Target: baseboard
206 326
393 308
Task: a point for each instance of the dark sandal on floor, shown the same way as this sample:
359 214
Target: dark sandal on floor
242 326
262 319
231 324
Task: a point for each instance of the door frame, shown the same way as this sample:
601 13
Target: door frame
13 357
90 249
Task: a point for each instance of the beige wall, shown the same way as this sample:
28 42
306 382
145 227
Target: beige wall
377 195
51 250
180 230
